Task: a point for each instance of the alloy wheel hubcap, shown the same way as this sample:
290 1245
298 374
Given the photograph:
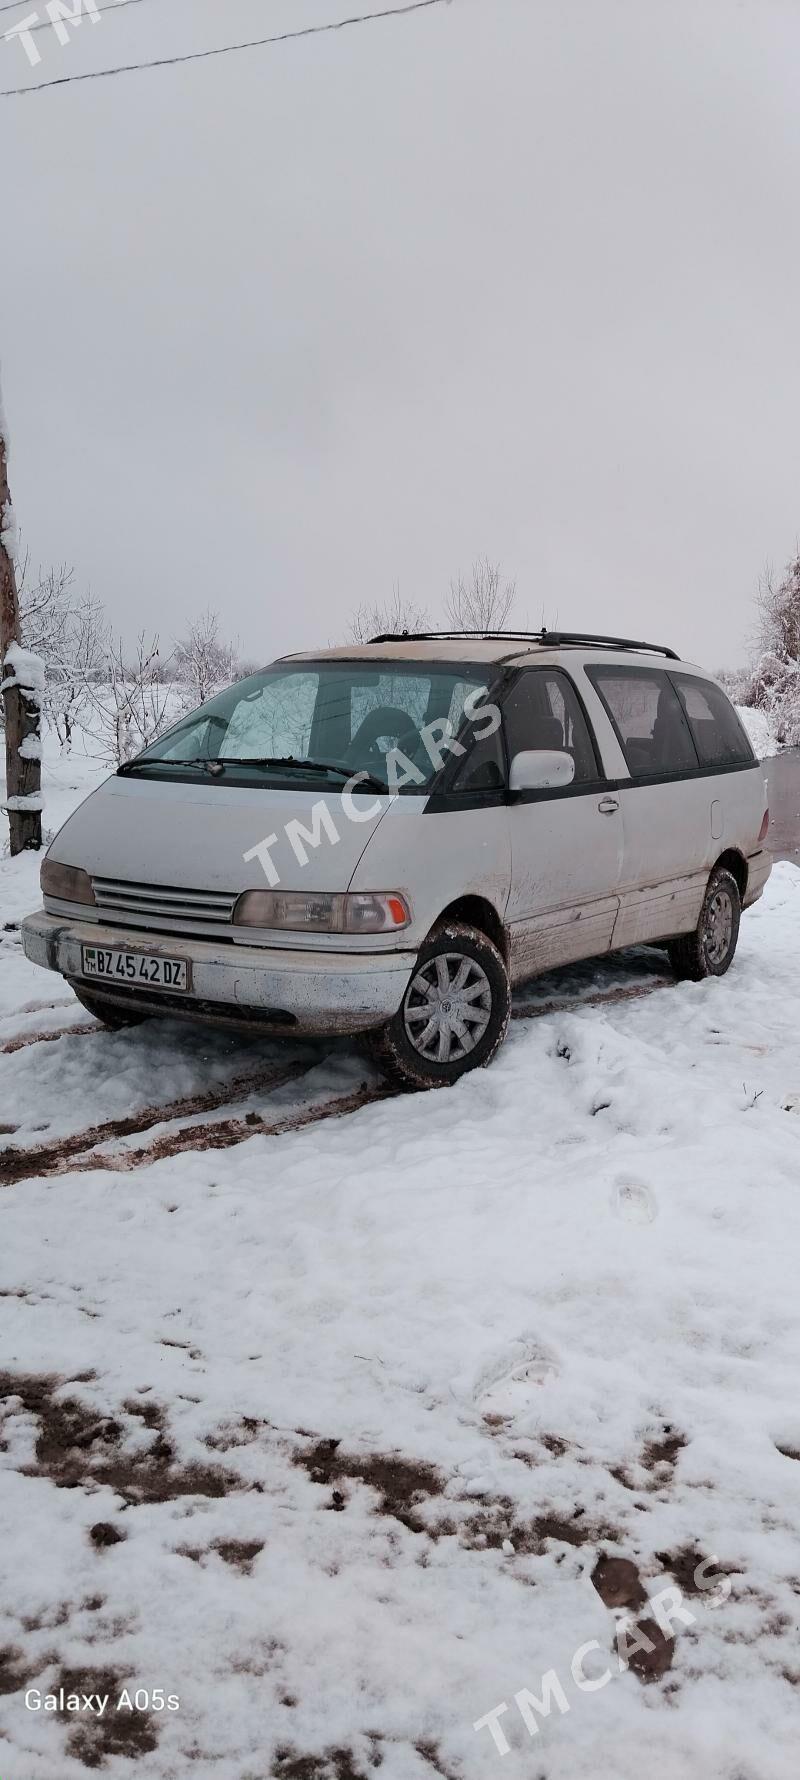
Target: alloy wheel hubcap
447 1008
718 927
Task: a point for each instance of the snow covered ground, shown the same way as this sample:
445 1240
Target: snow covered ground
325 1432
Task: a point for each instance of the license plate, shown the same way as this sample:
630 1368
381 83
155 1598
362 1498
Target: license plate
142 969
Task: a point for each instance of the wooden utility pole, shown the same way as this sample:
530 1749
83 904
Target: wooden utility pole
22 690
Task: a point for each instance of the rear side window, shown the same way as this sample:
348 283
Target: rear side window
719 737
542 710
649 719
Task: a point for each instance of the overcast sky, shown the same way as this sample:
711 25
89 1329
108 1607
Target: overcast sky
504 277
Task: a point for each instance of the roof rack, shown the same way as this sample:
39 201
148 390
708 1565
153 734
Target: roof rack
546 639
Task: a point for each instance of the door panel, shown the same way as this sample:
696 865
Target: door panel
543 942
667 823
566 848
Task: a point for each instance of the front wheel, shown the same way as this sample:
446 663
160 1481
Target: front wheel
454 1013
708 952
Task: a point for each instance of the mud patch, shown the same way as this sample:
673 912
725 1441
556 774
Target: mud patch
239 1553
333 1764
233 1434
618 1582
75 1446
658 1459
431 1753
661 1454
402 1484
685 1565
102 1534
405 1486
494 1528
95 1740
554 1445
650 1664
13 1674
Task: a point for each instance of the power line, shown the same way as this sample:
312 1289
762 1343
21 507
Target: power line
15 5
47 24
226 49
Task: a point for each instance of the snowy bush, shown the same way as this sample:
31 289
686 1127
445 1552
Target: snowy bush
775 681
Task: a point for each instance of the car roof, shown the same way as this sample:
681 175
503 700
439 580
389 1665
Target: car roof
511 649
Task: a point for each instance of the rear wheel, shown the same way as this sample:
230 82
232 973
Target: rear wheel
109 1012
708 952
454 1013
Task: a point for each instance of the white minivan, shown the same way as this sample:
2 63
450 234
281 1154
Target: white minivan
384 839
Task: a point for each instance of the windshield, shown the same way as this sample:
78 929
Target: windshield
322 721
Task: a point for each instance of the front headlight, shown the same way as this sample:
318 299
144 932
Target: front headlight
358 911
67 882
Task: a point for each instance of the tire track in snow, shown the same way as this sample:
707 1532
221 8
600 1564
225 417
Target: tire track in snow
21 1163
82 1030
80 1152
574 1004
55 1159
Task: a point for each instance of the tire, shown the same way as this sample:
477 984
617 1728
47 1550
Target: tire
409 1049
108 1012
708 952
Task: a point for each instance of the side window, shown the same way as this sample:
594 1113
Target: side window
719 737
649 720
483 768
542 711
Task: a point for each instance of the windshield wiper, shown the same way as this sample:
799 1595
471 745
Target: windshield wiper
311 766
215 767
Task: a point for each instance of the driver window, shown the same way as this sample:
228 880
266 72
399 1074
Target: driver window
542 712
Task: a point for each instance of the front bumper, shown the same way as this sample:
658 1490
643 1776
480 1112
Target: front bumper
292 991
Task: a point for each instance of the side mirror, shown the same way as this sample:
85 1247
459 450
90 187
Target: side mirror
541 769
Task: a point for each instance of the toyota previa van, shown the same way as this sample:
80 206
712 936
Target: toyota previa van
385 839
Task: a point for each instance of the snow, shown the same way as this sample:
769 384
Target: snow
760 731
27 669
9 533
523 1283
31 800
30 747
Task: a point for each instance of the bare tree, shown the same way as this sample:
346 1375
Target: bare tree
129 707
396 617
46 603
78 666
482 601
203 661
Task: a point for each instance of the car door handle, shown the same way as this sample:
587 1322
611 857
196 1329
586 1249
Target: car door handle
608 805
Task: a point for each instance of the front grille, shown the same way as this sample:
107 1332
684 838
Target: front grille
162 906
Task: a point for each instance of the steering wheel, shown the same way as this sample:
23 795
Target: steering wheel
388 720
